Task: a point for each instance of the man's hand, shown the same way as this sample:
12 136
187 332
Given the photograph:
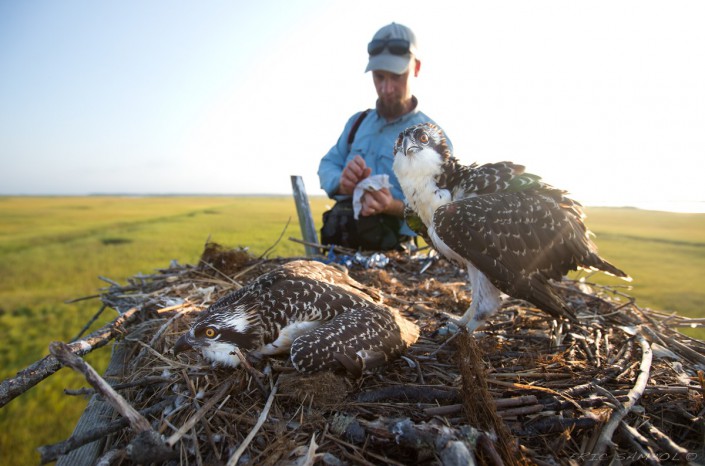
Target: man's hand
381 202
354 172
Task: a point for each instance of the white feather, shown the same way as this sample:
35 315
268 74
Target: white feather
220 353
287 335
240 320
416 173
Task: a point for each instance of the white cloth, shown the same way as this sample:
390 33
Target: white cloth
371 183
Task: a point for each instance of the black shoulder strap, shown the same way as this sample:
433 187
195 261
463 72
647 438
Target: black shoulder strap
356 125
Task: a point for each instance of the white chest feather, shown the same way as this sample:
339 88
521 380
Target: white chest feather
417 174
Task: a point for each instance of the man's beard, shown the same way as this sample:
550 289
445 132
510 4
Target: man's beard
393 109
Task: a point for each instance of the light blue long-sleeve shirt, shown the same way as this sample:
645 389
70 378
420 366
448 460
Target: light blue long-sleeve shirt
374 142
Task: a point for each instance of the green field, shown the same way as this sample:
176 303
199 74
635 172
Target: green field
53 249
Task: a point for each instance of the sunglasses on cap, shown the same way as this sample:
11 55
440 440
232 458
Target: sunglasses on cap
395 46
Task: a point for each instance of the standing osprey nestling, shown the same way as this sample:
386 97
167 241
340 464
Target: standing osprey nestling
321 315
513 232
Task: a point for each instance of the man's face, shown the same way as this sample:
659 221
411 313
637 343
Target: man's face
393 90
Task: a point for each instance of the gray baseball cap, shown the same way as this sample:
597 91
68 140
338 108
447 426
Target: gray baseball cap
391 49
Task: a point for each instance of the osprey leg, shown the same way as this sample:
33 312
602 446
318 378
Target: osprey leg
486 299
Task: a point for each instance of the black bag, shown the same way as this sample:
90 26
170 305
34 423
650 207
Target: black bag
371 233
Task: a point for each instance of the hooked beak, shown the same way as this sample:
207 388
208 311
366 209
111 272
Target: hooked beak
185 343
408 147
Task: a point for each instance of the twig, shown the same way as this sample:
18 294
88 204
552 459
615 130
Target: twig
520 410
40 370
90 322
638 442
120 386
408 393
674 344
147 446
264 254
262 417
338 249
203 410
112 282
50 453
82 298
111 457
557 424
500 404
665 442
379 458
158 355
231 280
310 458
633 396
138 359
254 373
63 353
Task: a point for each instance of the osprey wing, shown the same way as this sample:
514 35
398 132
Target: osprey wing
518 240
472 180
362 338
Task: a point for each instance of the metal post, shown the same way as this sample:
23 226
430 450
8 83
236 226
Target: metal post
303 208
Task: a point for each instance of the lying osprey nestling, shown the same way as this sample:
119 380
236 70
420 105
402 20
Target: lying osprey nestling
513 232
319 314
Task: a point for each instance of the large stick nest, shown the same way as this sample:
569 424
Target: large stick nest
624 384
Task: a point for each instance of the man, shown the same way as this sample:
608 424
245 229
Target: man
366 145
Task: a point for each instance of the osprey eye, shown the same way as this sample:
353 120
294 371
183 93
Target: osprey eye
210 332
423 138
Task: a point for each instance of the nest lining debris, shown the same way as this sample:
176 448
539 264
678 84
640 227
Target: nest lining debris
623 384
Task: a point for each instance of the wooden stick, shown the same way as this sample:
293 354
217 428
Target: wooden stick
24 380
639 443
188 425
183 310
665 442
50 453
500 404
254 373
633 396
380 458
90 322
231 280
147 446
338 249
520 410
62 352
262 417
269 249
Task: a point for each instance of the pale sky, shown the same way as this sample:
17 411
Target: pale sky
603 98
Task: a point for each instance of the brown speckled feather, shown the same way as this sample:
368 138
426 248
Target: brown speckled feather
314 309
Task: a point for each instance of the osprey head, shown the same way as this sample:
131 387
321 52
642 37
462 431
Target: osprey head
420 137
420 153
219 332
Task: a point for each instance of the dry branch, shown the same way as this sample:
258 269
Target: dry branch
148 445
50 453
620 411
262 417
203 410
40 370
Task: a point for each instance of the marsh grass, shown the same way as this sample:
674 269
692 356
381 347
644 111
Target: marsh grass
663 252
52 249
